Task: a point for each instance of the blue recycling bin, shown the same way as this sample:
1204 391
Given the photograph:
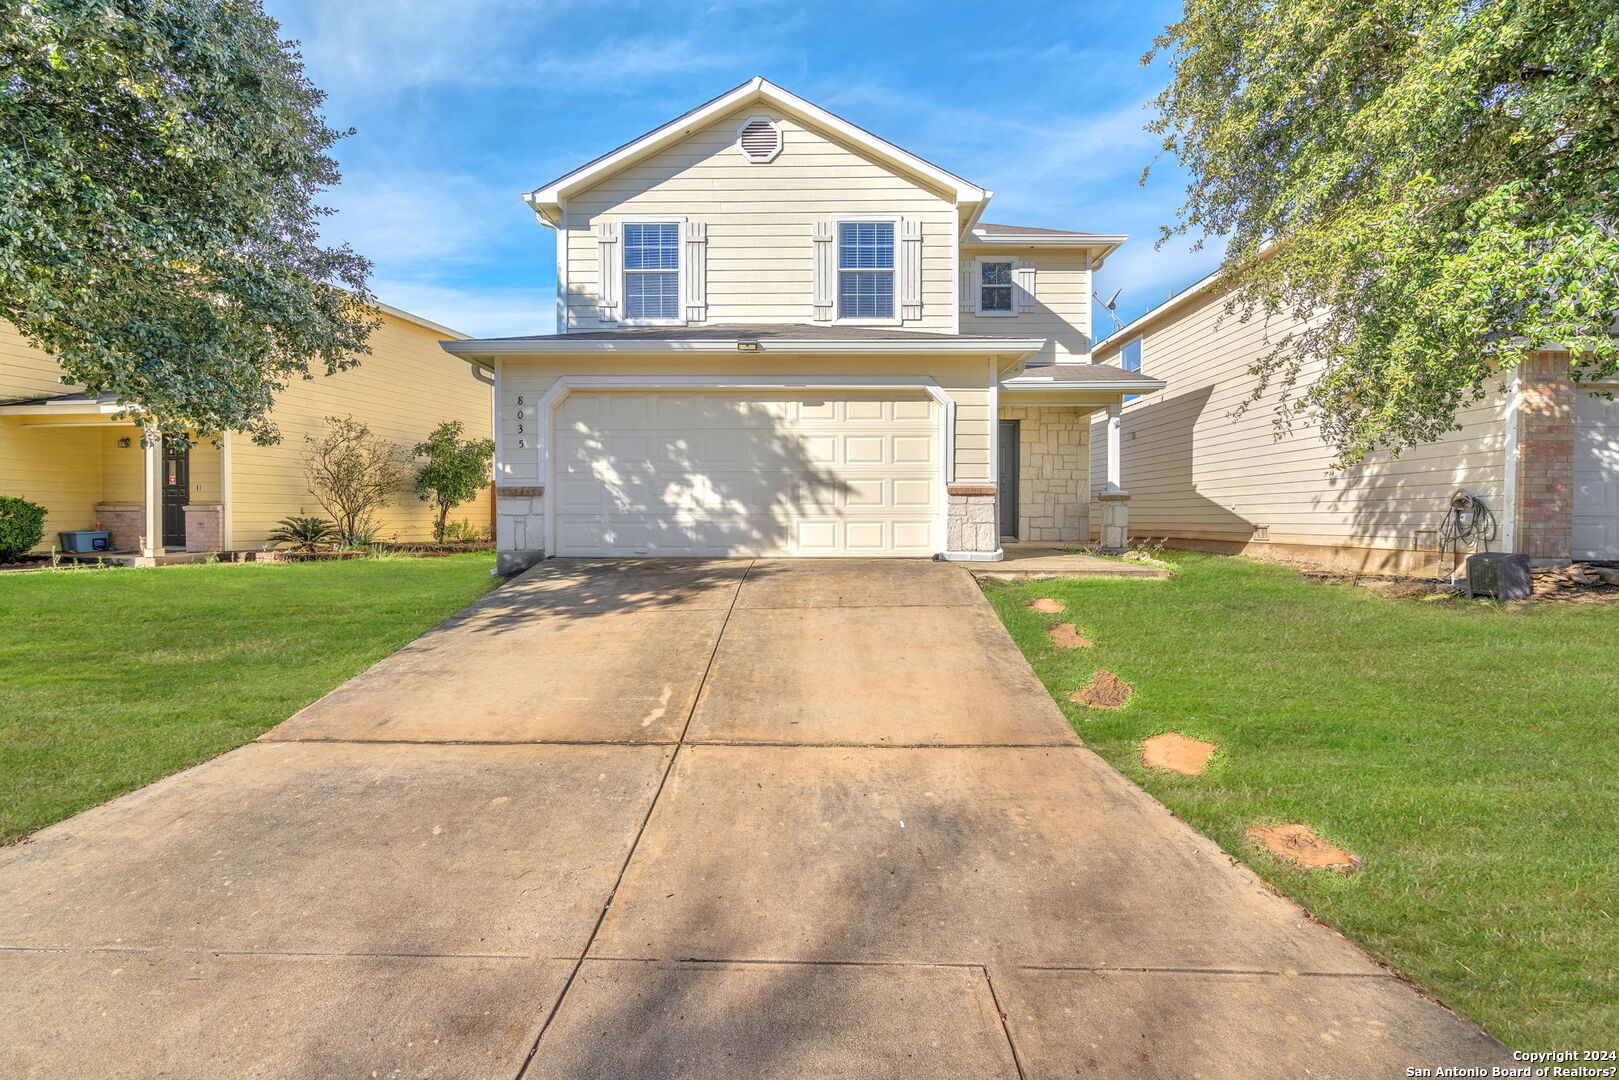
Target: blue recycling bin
82 541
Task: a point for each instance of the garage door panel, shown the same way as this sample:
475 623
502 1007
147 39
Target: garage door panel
757 473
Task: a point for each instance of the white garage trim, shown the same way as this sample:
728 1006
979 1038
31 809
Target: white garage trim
565 385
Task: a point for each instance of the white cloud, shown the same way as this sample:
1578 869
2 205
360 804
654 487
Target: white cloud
405 218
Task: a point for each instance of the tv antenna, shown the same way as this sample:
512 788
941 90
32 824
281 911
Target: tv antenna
1111 306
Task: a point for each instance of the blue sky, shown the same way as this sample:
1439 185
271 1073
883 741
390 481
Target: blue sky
461 106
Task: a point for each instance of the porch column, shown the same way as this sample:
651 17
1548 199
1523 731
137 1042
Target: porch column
152 519
225 491
1115 500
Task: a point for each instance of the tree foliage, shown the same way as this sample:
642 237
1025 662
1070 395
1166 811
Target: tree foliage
1431 182
353 474
456 470
159 164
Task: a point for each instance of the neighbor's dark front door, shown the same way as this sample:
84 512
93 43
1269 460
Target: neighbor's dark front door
1006 478
176 492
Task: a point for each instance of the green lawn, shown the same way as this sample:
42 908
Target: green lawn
110 679
1469 754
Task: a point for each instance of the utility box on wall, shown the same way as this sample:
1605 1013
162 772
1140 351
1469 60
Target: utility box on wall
1498 574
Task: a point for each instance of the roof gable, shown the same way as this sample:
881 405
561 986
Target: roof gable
547 200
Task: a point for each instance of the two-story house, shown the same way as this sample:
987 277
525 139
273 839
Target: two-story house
783 335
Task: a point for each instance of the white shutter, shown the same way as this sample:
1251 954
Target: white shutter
1023 277
696 271
609 271
910 269
825 272
968 300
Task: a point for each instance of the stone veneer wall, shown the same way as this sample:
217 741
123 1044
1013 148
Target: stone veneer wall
1545 456
519 528
1054 473
970 519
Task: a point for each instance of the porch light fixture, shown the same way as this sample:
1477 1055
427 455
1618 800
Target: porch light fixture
123 443
747 346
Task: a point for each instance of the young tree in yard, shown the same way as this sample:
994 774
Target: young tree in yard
159 163
353 474
456 470
1433 180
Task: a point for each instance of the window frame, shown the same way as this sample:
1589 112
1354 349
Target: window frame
625 273
838 270
978 285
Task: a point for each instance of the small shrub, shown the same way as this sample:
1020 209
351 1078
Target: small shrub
456 470
463 532
307 534
22 525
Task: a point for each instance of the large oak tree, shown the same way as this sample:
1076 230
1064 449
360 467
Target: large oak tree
1432 182
159 167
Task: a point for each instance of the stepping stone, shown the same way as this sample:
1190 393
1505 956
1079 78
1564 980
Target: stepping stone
1067 636
1048 606
1299 844
1105 691
1178 753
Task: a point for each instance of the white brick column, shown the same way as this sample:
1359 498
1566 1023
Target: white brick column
519 528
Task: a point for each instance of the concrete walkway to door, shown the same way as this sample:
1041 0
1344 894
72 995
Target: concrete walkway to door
698 820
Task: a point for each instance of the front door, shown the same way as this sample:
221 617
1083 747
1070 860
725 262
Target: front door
1006 479
176 492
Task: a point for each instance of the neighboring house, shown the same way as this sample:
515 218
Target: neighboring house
782 335
66 451
1542 455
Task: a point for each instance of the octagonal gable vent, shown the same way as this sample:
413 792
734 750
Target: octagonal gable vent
759 139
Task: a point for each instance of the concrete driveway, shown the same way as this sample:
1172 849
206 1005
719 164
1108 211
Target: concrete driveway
699 820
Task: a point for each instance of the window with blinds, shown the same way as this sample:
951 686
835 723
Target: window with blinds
866 270
652 270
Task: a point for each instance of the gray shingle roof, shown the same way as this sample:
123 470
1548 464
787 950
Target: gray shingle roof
68 399
1026 230
1078 373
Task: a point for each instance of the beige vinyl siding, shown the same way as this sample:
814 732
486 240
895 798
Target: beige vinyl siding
1062 294
966 381
402 390
1194 472
760 220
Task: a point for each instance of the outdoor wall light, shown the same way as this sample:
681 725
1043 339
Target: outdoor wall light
123 444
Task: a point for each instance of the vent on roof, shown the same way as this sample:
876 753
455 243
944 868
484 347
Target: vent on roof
759 139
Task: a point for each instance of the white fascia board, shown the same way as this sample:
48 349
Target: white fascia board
64 408
1020 347
546 201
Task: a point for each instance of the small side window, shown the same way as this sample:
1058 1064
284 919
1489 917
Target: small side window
1130 360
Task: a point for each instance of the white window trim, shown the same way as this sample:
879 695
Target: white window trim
680 269
781 138
838 271
978 286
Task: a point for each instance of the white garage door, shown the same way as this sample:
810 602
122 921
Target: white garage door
664 473
1596 478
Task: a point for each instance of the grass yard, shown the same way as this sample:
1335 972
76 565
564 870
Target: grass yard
1467 753
110 679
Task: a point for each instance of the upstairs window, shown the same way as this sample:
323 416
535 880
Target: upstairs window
866 270
652 270
995 287
1130 360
